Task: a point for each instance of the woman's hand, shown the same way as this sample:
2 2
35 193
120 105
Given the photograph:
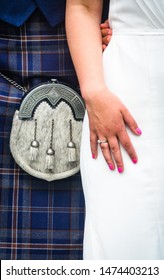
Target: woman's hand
108 118
106 33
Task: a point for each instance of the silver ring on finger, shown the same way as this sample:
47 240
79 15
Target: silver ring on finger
102 141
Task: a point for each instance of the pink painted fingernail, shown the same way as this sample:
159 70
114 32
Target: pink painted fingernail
111 166
134 160
139 131
93 156
120 169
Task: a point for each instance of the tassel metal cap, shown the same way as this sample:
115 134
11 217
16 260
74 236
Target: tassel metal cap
50 152
71 145
35 144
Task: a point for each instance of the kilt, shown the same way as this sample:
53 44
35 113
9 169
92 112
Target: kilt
38 219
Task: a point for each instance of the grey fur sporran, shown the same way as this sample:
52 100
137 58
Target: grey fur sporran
46 131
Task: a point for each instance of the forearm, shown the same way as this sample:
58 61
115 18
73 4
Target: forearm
86 53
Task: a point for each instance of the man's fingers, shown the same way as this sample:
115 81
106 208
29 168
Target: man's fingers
106 40
106 31
105 24
104 47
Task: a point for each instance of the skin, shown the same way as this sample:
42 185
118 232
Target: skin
106 32
108 116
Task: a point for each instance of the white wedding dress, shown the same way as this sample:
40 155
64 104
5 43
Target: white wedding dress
125 212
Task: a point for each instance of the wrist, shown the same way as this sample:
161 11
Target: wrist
92 91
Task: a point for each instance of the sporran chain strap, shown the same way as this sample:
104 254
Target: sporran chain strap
13 83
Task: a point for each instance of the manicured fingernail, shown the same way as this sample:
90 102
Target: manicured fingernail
134 160
93 156
111 166
139 130
120 169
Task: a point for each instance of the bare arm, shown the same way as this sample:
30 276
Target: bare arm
107 114
89 20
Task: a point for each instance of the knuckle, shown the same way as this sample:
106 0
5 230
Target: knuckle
132 154
127 145
114 149
108 160
103 148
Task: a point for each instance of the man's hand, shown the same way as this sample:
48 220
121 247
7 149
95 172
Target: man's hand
106 32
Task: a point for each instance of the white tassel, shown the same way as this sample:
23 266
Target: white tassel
71 146
34 150
50 159
71 151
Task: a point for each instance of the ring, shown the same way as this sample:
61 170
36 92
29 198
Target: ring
102 141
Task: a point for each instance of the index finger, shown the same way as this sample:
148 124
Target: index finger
105 24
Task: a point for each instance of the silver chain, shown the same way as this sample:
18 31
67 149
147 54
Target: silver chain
12 82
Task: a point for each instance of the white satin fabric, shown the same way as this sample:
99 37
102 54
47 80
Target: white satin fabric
125 212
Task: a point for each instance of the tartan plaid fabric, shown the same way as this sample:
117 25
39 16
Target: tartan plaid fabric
38 220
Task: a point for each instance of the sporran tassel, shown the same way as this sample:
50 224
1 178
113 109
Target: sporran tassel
71 147
50 153
34 148
50 159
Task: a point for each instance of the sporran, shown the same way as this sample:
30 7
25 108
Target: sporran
46 131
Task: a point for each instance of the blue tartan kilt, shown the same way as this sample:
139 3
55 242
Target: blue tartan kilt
38 220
